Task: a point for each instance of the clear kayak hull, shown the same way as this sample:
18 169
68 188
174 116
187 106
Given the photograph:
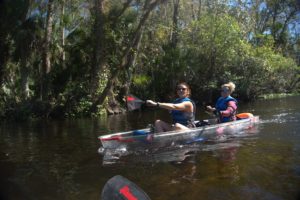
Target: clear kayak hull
145 138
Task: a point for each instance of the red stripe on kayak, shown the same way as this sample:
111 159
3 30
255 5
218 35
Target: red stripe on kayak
127 140
111 138
126 193
119 138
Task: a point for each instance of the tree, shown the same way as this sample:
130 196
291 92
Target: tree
86 55
128 55
46 56
99 47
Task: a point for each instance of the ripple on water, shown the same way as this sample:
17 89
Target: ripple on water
285 117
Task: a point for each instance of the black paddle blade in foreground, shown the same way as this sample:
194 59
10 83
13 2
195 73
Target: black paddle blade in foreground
120 188
133 103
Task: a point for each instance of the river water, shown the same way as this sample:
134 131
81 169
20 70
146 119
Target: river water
58 160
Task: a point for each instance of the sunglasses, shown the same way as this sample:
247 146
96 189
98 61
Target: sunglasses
181 89
224 90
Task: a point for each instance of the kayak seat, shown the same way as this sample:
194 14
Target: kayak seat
202 123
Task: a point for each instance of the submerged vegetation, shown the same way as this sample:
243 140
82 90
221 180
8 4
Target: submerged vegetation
80 58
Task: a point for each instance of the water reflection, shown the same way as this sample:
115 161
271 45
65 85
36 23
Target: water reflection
59 159
171 154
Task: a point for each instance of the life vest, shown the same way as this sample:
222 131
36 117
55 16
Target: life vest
222 104
184 118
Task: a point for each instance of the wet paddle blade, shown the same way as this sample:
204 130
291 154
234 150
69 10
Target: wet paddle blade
133 103
120 188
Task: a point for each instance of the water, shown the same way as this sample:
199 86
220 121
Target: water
59 159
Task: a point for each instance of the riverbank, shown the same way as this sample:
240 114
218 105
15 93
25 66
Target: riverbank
35 110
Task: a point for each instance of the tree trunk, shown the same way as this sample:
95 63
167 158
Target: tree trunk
108 90
174 41
127 57
4 48
280 39
132 63
199 9
125 7
174 37
98 54
3 58
63 54
24 74
26 55
46 67
274 18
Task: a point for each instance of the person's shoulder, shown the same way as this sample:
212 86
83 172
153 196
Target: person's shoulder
230 98
220 98
187 99
232 104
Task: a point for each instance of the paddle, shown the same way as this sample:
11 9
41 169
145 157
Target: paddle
133 103
211 114
120 188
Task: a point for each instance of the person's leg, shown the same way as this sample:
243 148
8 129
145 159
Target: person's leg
179 127
161 126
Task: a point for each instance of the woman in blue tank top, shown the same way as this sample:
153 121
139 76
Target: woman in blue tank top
182 110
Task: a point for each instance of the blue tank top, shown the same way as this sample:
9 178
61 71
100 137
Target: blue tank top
181 117
222 105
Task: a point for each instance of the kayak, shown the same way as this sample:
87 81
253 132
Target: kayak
147 138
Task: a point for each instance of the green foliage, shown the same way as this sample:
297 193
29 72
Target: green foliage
141 80
256 46
212 53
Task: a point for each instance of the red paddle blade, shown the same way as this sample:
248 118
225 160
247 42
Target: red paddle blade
130 98
133 103
120 188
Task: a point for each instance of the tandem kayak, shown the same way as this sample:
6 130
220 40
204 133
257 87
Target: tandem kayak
146 137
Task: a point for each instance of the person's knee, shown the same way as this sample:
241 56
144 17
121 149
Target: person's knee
179 126
158 121
158 126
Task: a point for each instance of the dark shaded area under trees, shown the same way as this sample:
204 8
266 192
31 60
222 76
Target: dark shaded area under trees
80 58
